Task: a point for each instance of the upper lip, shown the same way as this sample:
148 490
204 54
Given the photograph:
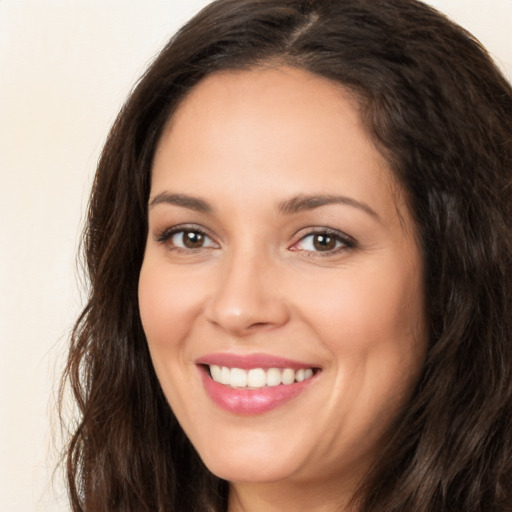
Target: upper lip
248 361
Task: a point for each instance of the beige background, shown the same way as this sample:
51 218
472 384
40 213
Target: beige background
66 67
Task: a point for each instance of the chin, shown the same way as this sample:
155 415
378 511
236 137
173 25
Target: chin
240 472
239 466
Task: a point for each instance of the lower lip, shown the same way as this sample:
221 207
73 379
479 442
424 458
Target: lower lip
251 401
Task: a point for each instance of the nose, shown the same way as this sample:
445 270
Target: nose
248 297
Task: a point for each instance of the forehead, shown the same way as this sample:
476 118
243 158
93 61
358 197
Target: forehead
245 98
282 127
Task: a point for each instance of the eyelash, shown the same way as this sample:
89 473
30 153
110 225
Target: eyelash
165 236
345 241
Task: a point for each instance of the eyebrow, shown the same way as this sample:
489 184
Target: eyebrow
309 202
183 200
293 205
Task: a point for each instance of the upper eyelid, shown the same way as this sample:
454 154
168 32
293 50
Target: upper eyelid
343 242
166 233
319 230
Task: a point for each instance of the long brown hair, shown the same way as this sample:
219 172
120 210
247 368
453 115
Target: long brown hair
441 113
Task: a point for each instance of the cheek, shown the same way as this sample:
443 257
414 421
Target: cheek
369 313
372 322
168 308
168 305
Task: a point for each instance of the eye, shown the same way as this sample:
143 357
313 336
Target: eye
323 241
183 238
190 239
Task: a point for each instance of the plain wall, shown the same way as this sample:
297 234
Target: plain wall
66 68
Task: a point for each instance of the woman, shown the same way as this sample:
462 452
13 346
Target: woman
299 247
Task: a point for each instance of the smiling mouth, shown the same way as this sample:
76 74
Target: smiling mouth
255 383
257 378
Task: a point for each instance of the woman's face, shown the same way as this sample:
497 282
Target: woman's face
281 259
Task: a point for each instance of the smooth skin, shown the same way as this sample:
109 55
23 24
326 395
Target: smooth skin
239 261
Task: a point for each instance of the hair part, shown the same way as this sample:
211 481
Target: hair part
440 112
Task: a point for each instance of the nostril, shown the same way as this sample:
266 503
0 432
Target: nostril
256 325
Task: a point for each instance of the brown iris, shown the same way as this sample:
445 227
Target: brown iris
323 242
193 239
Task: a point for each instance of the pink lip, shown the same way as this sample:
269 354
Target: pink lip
251 401
248 361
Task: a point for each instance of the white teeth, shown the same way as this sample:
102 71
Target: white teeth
288 376
225 376
216 372
273 377
258 377
238 378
